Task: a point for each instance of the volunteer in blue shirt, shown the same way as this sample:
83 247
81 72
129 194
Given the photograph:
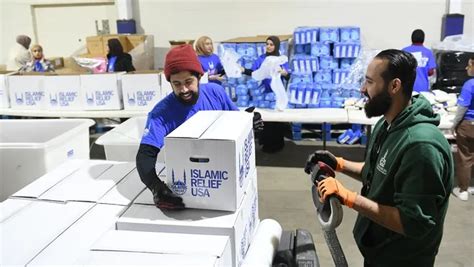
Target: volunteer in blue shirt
210 62
425 59
117 59
183 71
463 127
272 48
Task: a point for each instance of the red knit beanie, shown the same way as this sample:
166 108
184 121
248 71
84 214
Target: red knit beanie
182 58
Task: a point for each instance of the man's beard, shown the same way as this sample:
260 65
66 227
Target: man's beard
378 105
194 98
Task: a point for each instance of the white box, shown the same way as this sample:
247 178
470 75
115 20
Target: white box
141 91
239 226
102 91
125 191
209 159
63 92
79 237
189 245
89 184
30 148
4 95
30 230
166 88
27 92
11 206
114 258
122 142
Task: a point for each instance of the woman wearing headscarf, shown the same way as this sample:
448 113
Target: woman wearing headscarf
272 48
210 62
19 54
272 137
117 60
37 63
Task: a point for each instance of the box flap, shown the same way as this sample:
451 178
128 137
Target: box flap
78 238
170 243
11 206
196 125
228 126
125 191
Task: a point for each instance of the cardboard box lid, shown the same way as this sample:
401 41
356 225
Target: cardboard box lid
143 72
125 191
50 179
113 258
169 243
11 206
90 184
31 229
79 238
147 216
196 125
228 126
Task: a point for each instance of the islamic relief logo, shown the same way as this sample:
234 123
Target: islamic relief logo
381 165
178 186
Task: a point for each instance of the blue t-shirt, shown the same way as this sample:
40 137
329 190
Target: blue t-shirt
266 82
466 99
426 61
170 113
212 65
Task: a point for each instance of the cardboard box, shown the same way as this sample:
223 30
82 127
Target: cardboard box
125 191
257 39
210 158
58 62
189 245
95 45
174 43
79 237
4 92
122 39
63 92
27 91
136 40
102 91
11 206
141 90
90 183
166 88
29 231
239 226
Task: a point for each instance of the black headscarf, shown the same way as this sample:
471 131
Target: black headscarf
115 47
276 42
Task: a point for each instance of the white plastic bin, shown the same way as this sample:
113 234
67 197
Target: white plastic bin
122 142
31 148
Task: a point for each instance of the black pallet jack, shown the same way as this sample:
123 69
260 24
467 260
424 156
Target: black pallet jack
297 248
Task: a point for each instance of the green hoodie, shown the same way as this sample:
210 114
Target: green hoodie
412 171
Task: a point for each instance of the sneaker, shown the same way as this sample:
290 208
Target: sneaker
462 195
471 190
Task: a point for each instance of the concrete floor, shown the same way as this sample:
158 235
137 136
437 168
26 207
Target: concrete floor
284 195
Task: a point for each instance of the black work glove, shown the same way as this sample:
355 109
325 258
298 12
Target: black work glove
320 155
165 199
257 121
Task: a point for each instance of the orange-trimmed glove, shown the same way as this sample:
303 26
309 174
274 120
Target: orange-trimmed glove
331 186
336 163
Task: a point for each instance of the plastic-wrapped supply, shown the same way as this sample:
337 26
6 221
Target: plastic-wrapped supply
252 84
225 46
328 62
305 35
339 75
304 64
229 60
323 76
306 78
247 50
350 34
346 50
359 67
345 63
320 49
329 34
241 89
261 49
95 65
462 42
283 48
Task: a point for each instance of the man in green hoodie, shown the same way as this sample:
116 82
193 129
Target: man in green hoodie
407 174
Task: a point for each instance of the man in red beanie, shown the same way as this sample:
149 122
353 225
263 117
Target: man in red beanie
183 70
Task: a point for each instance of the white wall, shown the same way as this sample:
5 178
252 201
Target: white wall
384 23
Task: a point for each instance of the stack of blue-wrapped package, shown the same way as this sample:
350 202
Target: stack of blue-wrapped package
245 91
322 59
